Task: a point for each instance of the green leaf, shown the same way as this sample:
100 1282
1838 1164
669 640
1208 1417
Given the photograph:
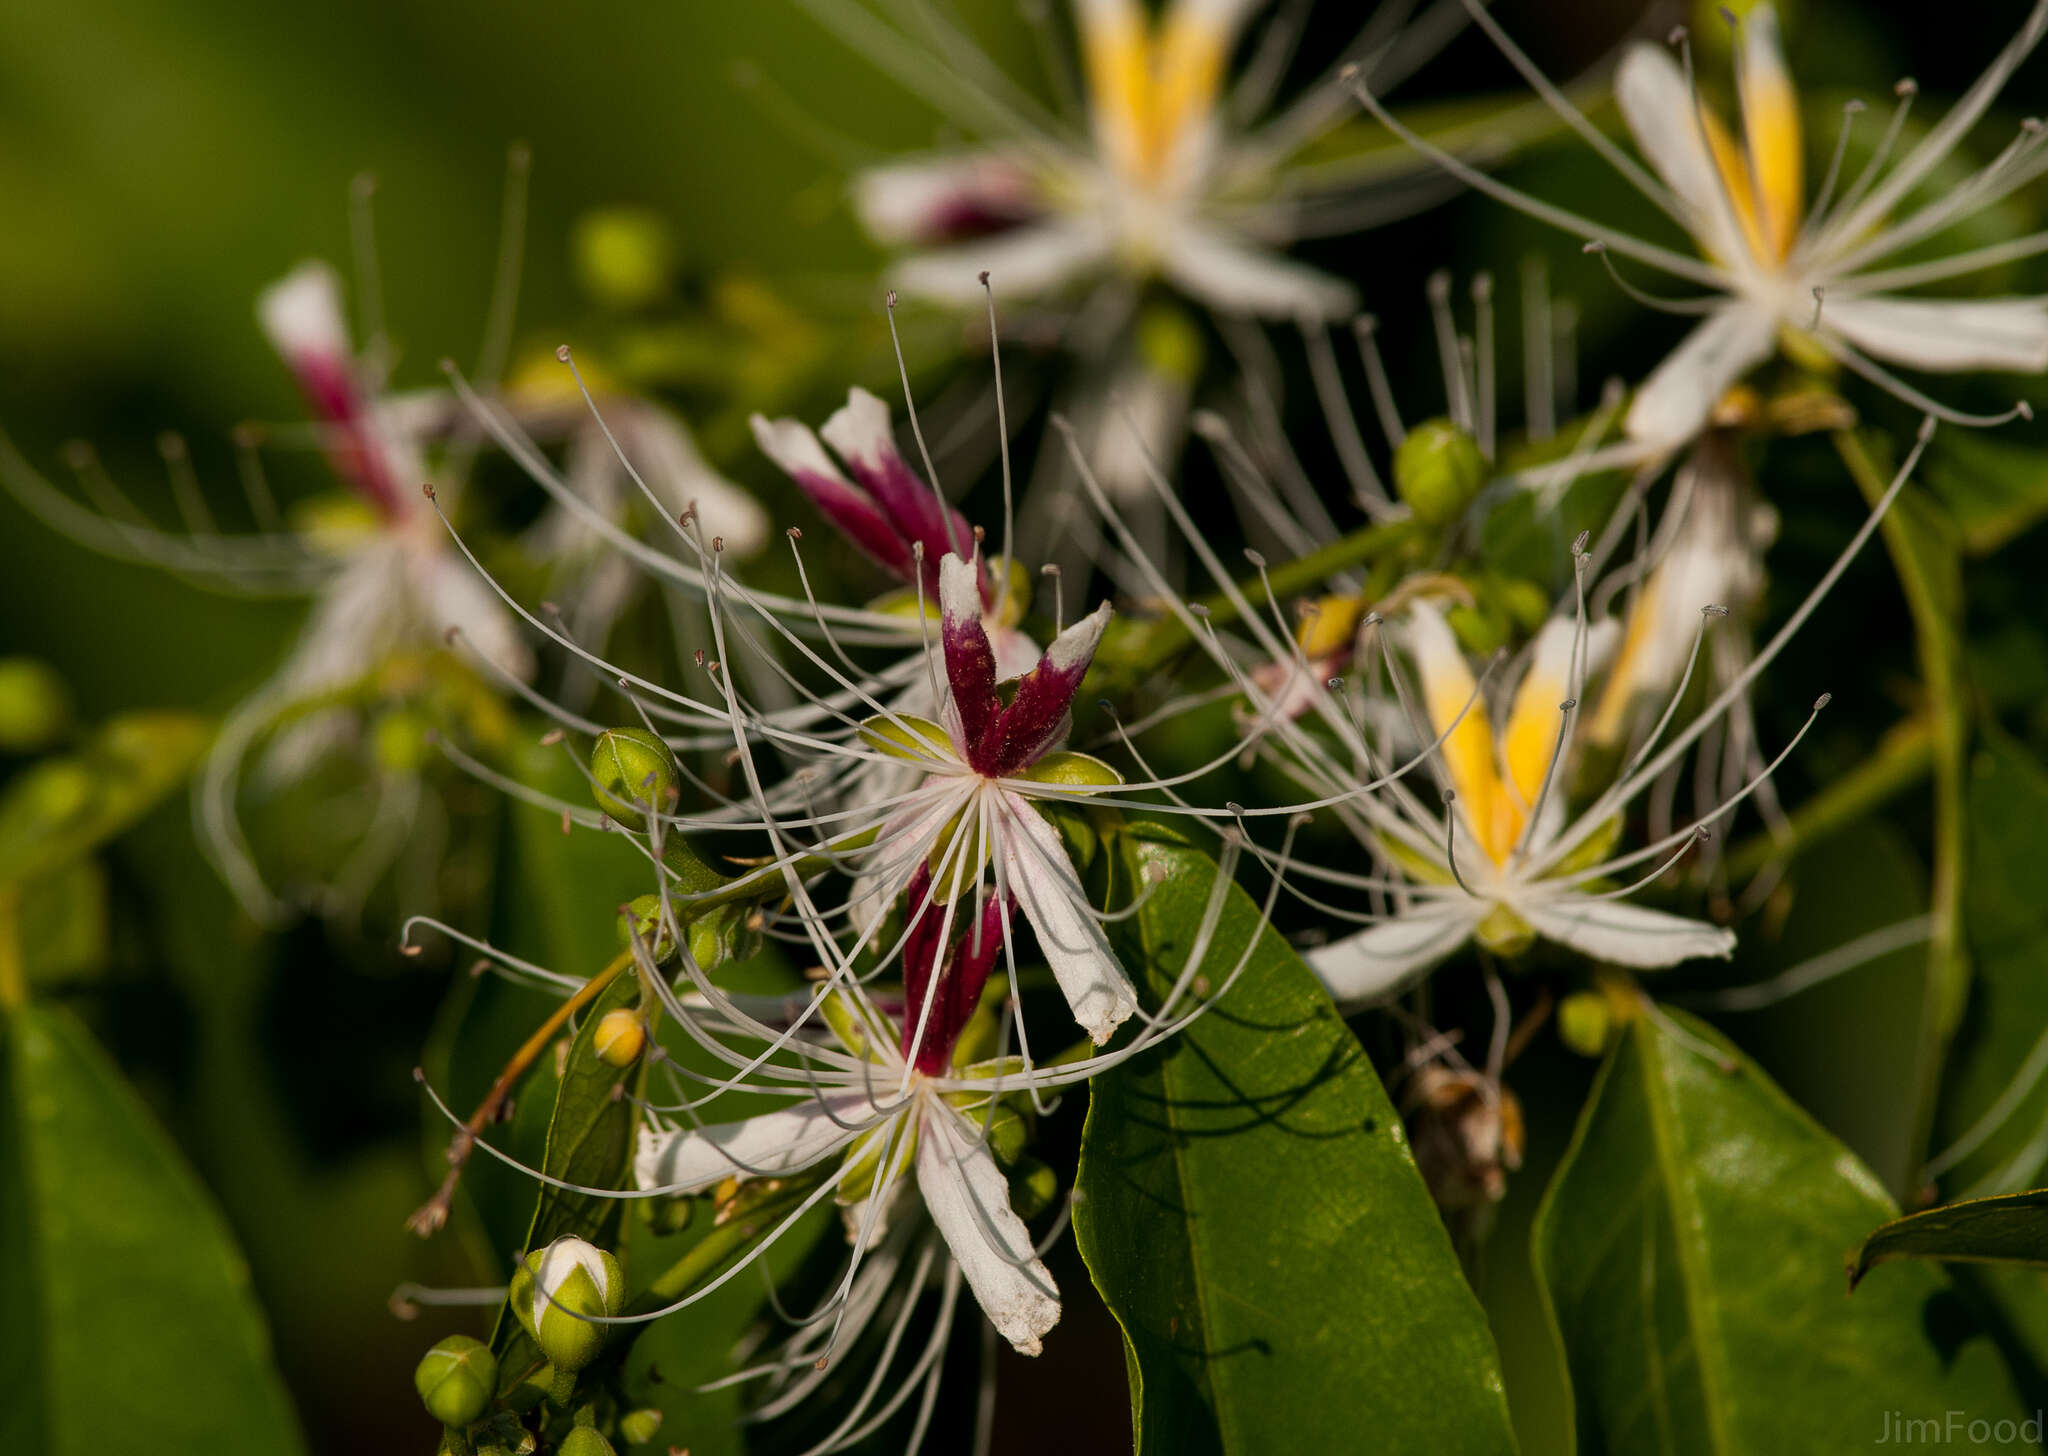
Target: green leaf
2012 1229
1249 1208
1994 1109
63 923
59 808
126 1319
1993 489
590 1141
1690 1246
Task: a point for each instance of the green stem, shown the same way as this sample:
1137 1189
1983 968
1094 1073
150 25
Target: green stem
13 973
1901 760
1935 633
711 1253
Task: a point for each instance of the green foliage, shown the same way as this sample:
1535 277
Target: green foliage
105 1234
1996 1095
1250 1210
1689 1247
2012 1229
64 807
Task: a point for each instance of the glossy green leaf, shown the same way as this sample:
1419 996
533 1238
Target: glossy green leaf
590 1141
2012 1229
1992 488
1691 1247
126 1318
61 807
1994 1113
1250 1210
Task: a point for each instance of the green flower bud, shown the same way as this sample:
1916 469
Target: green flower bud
400 741
1479 632
1008 1133
668 1215
640 1427
1033 1187
1437 471
625 257
571 1283
620 1037
1584 1022
1505 933
1169 343
641 921
632 768
35 706
585 1441
456 1380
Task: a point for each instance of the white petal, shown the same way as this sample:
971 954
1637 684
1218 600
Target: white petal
1234 278
687 1160
959 589
667 457
1661 112
1385 959
923 200
1627 935
860 430
302 315
1036 870
1676 399
1021 263
456 597
793 448
558 1261
1946 334
969 1200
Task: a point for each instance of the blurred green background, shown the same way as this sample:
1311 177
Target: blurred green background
161 163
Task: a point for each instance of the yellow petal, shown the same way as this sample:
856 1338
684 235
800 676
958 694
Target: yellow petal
1733 164
1770 127
1187 69
1116 49
1468 752
1535 718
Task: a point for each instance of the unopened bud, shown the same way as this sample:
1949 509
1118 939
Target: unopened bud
456 1380
1033 1187
640 1427
1438 470
586 1441
1584 1022
620 1037
633 769
35 707
571 1282
641 921
625 257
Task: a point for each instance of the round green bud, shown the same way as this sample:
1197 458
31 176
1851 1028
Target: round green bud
35 706
640 1427
620 1037
1169 343
641 921
400 741
1527 604
632 768
571 1282
1033 1187
456 1380
668 1215
1479 631
625 256
1008 1133
585 1441
1584 1022
1437 471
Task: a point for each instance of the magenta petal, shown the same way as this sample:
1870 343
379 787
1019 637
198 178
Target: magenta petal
861 432
859 521
970 660
329 385
954 992
1036 720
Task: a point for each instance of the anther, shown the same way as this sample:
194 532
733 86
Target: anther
1822 701
427 489
1567 705
1255 558
717 543
1906 86
1712 610
1676 36
1579 542
795 533
982 277
889 298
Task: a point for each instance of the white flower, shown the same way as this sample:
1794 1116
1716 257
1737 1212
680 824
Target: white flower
1173 175
1510 883
1780 265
